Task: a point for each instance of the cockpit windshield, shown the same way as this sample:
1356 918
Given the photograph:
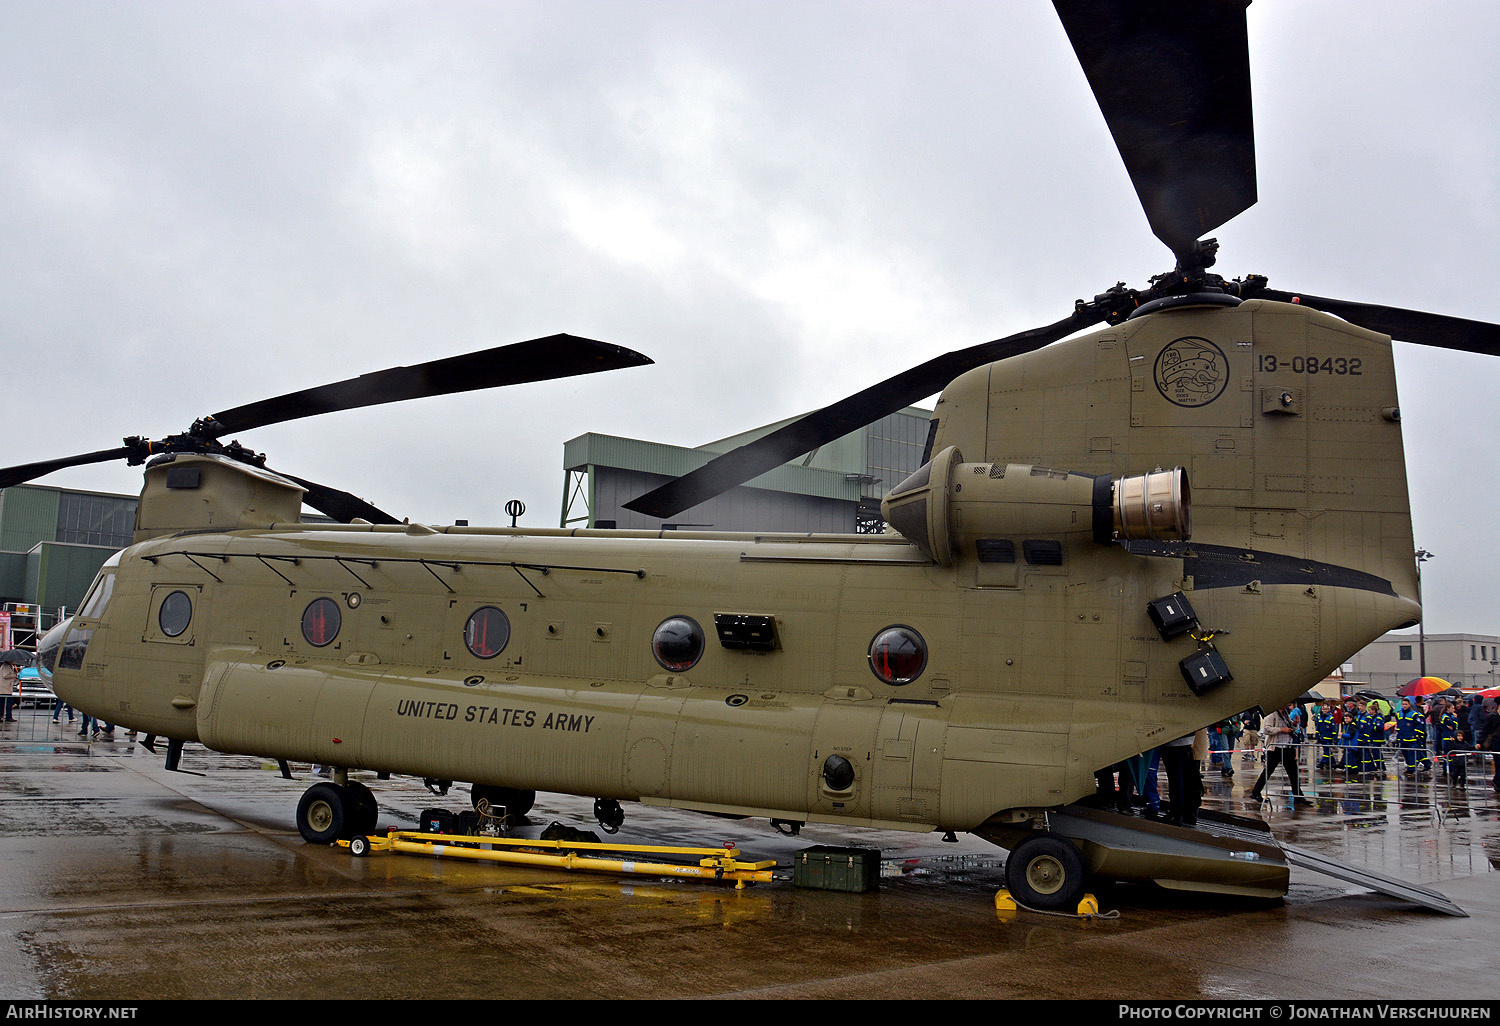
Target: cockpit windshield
71 637
98 596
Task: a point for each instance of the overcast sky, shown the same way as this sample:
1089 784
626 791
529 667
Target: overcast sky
204 204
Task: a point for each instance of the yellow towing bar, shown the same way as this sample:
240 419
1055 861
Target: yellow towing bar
715 864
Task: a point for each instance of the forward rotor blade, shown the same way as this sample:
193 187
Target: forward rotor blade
1172 78
17 475
540 359
340 505
1428 329
807 433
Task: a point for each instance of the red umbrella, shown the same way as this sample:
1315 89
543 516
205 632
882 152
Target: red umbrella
1488 693
1423 686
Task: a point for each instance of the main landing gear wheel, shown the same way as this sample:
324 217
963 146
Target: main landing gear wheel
514 800
1047 873
323 813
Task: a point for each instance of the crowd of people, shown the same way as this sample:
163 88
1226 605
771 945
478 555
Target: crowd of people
1349 737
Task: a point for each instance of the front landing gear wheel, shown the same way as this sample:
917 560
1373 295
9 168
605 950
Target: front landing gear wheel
323 813
1046 872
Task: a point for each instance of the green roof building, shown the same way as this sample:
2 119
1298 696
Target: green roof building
835 489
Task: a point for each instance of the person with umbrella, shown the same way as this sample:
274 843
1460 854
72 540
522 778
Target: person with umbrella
11 662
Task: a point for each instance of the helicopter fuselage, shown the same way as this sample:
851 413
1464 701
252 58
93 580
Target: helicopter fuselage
557 660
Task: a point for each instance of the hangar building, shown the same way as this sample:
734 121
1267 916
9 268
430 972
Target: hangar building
835 489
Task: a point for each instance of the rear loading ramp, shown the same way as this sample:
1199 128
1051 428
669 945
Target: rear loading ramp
1425 896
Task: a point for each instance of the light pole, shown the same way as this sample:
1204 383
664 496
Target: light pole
1422 556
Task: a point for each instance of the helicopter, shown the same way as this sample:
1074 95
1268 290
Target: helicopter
1173 503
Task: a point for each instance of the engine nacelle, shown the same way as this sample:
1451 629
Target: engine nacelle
948 505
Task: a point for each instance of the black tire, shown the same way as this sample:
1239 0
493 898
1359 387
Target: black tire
364 810
516 802
1047 873
359 845
323 814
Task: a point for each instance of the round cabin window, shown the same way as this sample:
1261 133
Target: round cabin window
898 655
487 632
321 621
175 614
678 644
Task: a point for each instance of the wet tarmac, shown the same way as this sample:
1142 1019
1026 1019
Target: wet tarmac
128 882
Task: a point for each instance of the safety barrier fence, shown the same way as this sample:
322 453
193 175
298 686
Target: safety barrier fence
1337 750
46 720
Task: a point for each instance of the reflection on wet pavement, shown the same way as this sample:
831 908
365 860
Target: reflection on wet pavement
126 881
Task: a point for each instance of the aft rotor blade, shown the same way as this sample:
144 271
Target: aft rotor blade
807 433
1428 329
1172 78
10 476
339 505
539 359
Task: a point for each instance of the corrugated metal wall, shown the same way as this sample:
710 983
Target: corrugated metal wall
27 516
740 509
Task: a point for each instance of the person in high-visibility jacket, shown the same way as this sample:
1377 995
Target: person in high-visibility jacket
1354 755
1411 737
1327 727
1448 732
1369 736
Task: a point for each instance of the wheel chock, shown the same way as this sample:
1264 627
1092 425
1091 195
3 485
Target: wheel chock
1005 902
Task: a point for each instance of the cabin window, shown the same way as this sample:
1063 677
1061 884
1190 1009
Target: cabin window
175 614
898 655
678 644
487 632
321 621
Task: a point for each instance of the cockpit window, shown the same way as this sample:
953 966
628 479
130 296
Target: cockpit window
98 597
74 646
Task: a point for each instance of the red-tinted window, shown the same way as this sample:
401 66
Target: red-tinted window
321 621
898 655
487 632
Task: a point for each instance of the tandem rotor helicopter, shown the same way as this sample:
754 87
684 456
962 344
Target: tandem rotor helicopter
1196 507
